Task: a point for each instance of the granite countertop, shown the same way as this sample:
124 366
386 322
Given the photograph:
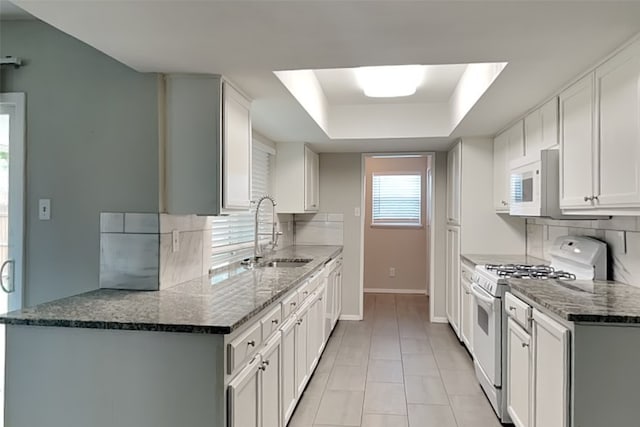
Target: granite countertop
206 305
477 259
582 300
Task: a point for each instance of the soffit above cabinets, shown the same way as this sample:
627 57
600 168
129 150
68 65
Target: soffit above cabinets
546 44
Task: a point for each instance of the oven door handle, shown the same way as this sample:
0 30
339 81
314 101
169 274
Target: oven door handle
483 300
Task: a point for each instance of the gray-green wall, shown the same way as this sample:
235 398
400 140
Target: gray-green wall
92 146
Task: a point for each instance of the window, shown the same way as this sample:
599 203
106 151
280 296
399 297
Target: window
232 236
397 199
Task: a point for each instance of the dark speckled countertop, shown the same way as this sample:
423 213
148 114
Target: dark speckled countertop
197 306
477 259
582 300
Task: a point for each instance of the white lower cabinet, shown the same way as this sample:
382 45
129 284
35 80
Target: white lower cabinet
265 391
519 374
466 309
244 396
452 277
270 383
302 367
550 372
289 386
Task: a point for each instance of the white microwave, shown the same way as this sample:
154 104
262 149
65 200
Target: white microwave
534 186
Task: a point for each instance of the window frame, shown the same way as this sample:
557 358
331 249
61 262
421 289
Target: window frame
398 222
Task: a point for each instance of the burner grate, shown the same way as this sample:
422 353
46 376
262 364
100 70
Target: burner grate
524 271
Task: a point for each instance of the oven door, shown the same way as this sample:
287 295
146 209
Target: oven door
487 329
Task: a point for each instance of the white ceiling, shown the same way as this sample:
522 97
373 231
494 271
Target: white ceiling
546 43
341 88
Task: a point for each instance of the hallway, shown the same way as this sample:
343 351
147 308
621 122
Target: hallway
394 369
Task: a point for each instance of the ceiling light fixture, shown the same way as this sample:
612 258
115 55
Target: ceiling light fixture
389 81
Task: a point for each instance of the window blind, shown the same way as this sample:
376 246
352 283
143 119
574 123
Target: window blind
397 199
232 235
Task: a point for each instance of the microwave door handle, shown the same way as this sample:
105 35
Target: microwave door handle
486 302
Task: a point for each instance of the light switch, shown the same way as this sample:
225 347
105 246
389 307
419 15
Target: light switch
44 209
356 212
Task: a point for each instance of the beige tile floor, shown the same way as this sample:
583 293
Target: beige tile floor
394 369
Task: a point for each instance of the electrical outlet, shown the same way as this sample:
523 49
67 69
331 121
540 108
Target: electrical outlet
175 241
356 212
392 272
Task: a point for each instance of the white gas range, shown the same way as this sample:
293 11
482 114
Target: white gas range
572 258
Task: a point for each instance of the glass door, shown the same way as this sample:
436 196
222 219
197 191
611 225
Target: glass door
12 181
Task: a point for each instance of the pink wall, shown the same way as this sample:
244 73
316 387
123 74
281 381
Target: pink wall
405 249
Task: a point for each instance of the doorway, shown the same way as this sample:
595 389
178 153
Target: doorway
396 223
12 191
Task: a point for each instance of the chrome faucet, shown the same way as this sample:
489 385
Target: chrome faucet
257 250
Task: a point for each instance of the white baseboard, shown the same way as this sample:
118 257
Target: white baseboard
440 320
394 291
350 317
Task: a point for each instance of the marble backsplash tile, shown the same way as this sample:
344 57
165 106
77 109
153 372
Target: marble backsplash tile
622 235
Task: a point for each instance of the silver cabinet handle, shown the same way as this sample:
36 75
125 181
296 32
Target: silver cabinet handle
252 343
305 293
299 322
293 304
263 366
274 321
512 308
588 198
595 198
524 344
11 287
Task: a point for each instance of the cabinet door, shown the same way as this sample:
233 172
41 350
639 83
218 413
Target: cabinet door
516 141
270 380
338 294
313 338
576 144
302 367
288 367
501 173
551 372
453 184
549 118
618 90
466 314
244 396
453 278
519 375
236 152
311 180
533 135
330 303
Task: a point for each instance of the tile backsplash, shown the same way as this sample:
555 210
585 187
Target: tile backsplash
622 235
319 229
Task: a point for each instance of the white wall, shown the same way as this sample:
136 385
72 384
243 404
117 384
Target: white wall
340 176
92 146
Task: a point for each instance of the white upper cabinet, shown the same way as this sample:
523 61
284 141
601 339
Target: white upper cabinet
541 130
600 138
453 184
501 160
208 146
311 180
236 152
515 135
576 144
618 113
297 179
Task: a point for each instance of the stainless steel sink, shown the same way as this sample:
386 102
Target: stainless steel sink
284 263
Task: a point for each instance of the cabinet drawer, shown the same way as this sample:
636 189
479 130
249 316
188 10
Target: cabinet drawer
466 274
518 310
289 304
305 290
271 322
243 347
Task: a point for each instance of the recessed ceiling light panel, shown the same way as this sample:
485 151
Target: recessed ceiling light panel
389 81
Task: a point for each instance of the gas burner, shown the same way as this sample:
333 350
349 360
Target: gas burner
525 271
